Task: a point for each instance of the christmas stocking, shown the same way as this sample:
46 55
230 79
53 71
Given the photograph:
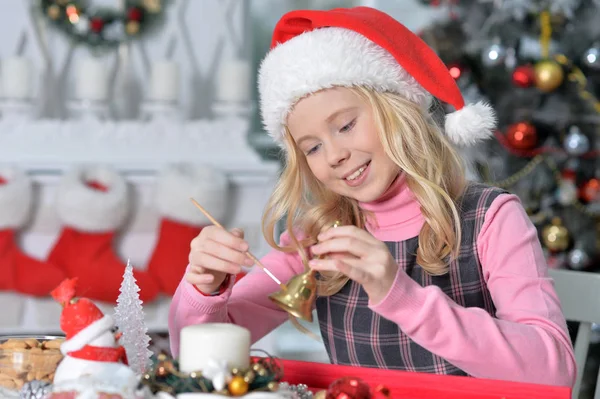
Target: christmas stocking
92 204
181 221
18 271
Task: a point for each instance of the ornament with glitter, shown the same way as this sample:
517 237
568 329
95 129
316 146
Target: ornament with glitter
129 317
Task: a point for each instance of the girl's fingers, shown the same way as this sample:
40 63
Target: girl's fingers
212 263
351 245
351 267
229 254
199 279
346 231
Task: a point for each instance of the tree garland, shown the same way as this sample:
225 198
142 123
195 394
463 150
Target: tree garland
105 27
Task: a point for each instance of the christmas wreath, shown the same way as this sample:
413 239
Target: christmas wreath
107 27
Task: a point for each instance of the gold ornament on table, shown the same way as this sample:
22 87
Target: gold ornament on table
556 236
549 75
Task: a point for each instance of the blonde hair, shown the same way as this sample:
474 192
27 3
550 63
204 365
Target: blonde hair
434 173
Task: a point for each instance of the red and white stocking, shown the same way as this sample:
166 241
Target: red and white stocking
181 221
18 271
93 204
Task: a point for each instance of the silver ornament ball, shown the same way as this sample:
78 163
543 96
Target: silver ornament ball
576 143
493 55
591 58
578 259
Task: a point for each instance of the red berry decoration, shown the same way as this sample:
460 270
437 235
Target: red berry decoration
349 388
523 76
522 136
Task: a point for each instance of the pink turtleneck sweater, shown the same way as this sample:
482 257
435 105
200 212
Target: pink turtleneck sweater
527 342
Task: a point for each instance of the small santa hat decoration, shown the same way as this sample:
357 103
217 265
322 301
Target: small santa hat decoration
81 320
312 50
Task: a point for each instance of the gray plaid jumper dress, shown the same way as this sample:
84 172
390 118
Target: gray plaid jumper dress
355 335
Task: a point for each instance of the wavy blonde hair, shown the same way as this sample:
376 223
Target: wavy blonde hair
434 173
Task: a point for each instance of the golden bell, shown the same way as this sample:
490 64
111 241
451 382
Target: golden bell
299 296
300 293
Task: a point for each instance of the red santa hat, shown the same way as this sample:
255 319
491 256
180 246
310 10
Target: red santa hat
361 46
81 320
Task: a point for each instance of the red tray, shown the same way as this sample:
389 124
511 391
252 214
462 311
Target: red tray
407 385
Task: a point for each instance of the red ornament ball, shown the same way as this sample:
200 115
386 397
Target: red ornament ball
522 136
349 388
523 76
134 14
590 190
96 25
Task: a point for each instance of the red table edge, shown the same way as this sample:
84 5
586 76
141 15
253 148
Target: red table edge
318 376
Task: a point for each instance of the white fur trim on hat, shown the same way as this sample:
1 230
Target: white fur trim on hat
470 124
325 58
15 197
89 209
178 183
87 335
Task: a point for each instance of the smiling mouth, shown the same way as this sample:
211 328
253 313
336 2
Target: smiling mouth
358 172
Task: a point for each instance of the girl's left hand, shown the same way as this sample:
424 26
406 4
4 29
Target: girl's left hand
358 255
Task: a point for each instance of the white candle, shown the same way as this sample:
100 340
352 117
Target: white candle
164 81
91 80
199 344
233 81
17 77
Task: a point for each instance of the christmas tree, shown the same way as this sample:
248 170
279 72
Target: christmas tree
538 64
129 318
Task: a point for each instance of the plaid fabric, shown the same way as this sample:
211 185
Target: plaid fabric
355 335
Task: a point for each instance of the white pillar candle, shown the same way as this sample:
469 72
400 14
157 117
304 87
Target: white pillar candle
219 342
91 80
17 78
164 81
233 81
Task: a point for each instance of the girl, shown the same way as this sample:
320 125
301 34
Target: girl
428 273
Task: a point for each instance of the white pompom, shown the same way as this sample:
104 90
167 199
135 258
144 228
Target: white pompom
472 123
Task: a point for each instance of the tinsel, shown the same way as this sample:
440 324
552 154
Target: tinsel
35 390
299 391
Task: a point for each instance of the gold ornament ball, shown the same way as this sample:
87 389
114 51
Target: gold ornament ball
237 386
132 27
152 6
556 236
273 386
54 11
549 75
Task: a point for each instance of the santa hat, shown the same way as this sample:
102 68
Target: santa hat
81 320
361 46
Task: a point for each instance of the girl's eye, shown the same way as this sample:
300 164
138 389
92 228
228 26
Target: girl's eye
349 126
313 149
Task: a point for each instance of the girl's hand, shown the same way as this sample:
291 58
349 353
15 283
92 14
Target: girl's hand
214 254
358 255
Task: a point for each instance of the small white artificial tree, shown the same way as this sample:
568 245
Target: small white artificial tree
129 318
